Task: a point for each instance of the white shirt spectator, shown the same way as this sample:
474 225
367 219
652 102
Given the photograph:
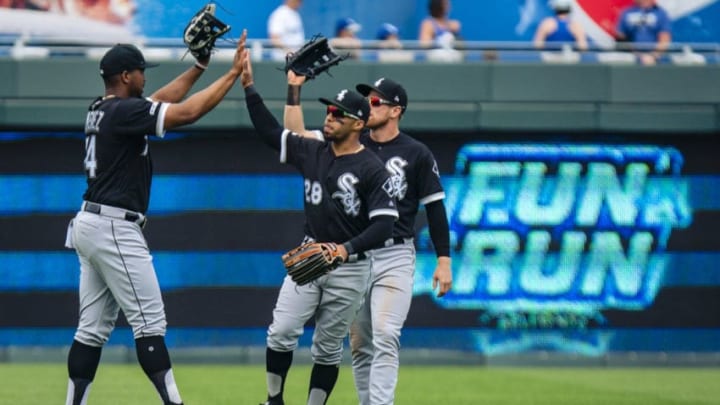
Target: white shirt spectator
285 26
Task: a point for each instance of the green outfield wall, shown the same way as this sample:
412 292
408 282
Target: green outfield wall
53 94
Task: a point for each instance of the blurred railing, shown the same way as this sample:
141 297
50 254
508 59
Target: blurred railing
25 47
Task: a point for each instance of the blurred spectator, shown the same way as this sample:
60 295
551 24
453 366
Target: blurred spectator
389 36
645 23
285 29
438 29
101 21
388 40
560 28
118 12
110 11
41 5
346 39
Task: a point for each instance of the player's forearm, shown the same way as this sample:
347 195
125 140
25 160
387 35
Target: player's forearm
201 102
439 228
379 230
294 121
293 116
444 261
177 89
264 122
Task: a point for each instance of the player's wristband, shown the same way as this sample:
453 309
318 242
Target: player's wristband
348 248
200 66
293 94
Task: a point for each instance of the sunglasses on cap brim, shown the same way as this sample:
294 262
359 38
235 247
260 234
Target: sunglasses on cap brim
376 101
338 113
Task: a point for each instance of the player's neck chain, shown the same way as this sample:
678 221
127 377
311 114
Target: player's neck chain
352 152
108 96
360 148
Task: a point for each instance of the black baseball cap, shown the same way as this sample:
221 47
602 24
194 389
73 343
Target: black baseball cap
389 90
122 57
350 102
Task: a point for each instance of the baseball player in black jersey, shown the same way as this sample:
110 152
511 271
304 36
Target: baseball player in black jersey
347 201
116 270
375 334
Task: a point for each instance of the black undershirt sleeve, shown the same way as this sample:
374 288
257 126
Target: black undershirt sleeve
264 122
439 228
379 230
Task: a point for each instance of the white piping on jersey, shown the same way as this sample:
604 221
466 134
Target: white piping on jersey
432 198
283 145
160 124
384 211
318 134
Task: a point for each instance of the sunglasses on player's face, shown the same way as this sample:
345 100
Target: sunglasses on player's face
376 101
338 113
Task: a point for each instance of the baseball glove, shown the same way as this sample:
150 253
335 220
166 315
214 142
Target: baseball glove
310 261
313 58
202 31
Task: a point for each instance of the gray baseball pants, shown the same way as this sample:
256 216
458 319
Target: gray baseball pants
116 272
375 334
334 299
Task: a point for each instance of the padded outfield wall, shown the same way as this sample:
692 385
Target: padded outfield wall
583 202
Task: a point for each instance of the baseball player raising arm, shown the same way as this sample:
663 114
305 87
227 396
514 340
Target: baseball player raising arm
116 270
375 334
347 202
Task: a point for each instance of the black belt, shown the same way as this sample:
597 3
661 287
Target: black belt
114 212
398 240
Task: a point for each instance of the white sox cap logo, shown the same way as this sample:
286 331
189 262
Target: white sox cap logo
341 95
378 83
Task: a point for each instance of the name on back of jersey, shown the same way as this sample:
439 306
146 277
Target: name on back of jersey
92 121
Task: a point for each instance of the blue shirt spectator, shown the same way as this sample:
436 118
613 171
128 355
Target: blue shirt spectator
560 28
386 31
438 29
645 23
388 36
345 38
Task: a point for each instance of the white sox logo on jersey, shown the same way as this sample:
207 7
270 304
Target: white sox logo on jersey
396 166
348 195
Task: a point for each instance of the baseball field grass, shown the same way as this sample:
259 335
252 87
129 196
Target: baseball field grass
419 385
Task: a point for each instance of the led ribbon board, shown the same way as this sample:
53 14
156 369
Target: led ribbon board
573 228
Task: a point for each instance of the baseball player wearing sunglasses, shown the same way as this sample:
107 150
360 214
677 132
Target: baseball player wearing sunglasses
348 201
375 334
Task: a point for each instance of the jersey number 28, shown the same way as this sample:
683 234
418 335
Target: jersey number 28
313 192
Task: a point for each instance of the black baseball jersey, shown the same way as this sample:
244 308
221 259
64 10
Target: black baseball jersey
117 155
342 193
415 177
